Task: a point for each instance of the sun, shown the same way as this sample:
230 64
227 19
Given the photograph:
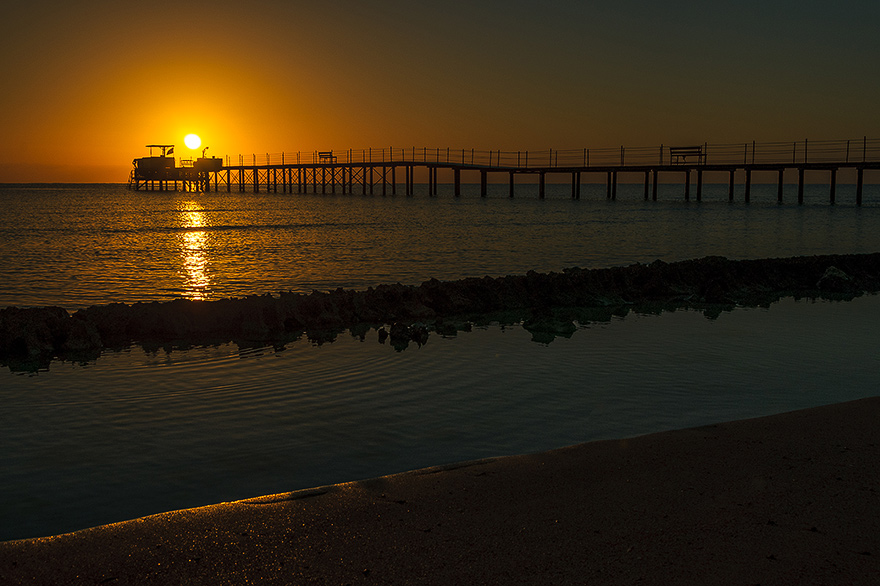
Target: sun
192 141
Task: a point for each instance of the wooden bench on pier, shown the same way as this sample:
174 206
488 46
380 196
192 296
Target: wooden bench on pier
326 157
680 154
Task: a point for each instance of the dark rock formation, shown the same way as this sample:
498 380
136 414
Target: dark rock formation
547 304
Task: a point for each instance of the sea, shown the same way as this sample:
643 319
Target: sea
141 430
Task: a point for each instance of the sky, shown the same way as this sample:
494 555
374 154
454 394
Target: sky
86 85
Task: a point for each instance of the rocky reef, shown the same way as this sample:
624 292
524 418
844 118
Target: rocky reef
547 305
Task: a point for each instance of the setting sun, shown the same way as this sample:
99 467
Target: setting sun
192 141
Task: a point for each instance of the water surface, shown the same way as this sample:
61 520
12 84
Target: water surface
139 432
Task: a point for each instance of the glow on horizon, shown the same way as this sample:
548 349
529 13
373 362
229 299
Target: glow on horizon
85 90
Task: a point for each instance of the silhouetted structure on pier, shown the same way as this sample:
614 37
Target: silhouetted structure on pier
369 171
160 172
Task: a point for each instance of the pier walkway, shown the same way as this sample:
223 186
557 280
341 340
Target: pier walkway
370 171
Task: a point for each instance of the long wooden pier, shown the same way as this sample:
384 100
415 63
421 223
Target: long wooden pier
372 171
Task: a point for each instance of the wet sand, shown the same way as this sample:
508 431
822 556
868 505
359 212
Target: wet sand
786 499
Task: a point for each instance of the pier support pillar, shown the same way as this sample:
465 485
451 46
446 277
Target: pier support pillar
860 176
614 185
541 184
656 173
687 185
457 180
730 188
801 186
608 185
511 184
393 180
699 185
647 178
832 195
483 188
748 185
779 186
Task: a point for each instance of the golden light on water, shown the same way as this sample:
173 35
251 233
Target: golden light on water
194 254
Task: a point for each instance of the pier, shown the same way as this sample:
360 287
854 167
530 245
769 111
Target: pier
380 171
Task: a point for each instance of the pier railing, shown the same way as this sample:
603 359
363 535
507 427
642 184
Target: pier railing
749 153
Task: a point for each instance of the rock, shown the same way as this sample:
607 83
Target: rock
835 281
549 302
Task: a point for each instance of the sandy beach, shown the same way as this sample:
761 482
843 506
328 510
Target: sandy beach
785 499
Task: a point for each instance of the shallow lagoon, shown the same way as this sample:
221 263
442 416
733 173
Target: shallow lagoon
142 432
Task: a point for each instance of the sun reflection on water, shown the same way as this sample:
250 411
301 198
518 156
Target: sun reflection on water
194 244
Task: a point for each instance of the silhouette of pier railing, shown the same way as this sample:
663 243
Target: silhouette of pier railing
370 169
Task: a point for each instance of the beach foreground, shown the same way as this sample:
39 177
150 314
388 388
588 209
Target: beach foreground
786 499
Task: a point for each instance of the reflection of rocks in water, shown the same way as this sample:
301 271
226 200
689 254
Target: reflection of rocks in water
548 305
545 326
402 334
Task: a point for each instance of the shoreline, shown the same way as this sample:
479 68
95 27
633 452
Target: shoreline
788 498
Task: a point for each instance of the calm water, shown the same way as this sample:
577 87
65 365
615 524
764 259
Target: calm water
78 247
137 433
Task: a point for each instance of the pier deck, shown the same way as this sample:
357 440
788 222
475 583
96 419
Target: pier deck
370 171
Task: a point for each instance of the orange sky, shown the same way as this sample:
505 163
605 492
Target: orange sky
87 85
